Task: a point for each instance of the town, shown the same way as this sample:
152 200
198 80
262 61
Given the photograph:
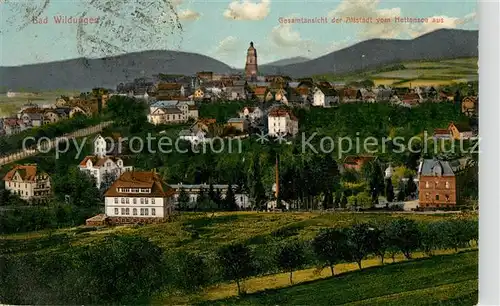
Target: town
268 116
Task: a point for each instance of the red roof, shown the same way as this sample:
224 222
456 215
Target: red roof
143 179
96 161
27 172
169 86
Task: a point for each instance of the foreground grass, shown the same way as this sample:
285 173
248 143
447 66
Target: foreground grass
205 233
440 280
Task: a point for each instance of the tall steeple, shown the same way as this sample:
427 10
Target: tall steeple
251 68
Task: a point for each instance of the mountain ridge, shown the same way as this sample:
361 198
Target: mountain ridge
84 73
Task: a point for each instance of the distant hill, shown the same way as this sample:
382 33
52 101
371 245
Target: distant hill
440 44
288 61
84 74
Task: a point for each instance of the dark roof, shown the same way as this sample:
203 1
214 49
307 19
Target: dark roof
135 179
432 167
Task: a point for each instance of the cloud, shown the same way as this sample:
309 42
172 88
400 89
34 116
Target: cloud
366 9
447 23
228 46
246 10
188 15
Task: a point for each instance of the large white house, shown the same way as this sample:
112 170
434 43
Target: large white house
100 165
174 111
138 196
282 122
28 182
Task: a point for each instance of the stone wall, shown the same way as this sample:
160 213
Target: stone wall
134 220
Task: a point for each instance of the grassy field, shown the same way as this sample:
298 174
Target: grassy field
430 73
13 104
439 280
205 232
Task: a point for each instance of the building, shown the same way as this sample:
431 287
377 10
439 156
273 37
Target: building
194 137
193 191
28 182
353 162
239 124
168 91
282 122
460 131
105 169
172 112
324 96
437 184
251 68
442 134
254 115
137 197
470 106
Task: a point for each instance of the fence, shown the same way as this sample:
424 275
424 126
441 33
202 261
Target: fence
52 143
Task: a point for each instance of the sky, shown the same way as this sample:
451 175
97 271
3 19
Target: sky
216 28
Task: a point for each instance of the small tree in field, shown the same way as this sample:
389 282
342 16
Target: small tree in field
330 246
236 262
359 242
183 199
290 257
405 235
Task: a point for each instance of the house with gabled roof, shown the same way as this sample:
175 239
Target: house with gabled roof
28 182
282 122
460 131
101 166
325 96
138 197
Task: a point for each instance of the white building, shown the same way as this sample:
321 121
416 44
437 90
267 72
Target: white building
173 111
28 182
282 122
100 166
254 115
193 190
194 137
324 97
138 195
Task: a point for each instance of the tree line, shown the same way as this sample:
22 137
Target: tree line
125 269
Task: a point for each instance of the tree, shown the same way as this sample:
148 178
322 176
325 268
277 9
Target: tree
236 262
189 271
127 112
257 191
291 257
359 242
389 190
411 187
230 199
330 247
401 191
107 180
200 199
405 235
183 199
79 186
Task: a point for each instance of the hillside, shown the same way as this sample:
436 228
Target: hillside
440 280
422 73
437 45
84 74
287 61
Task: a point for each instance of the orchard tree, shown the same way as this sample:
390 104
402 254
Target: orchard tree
291 257
330 247
405 235
236 262
359 242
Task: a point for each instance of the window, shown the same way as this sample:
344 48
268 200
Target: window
127 211
123 200
152 200
153 211
426 184
142 200
437 197
116 200
146 211
447 185
134 211
146 200
142 211
134 201
447 198
116 211
127 200
436 184
123 211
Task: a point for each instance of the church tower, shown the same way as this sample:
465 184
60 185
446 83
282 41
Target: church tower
251 69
